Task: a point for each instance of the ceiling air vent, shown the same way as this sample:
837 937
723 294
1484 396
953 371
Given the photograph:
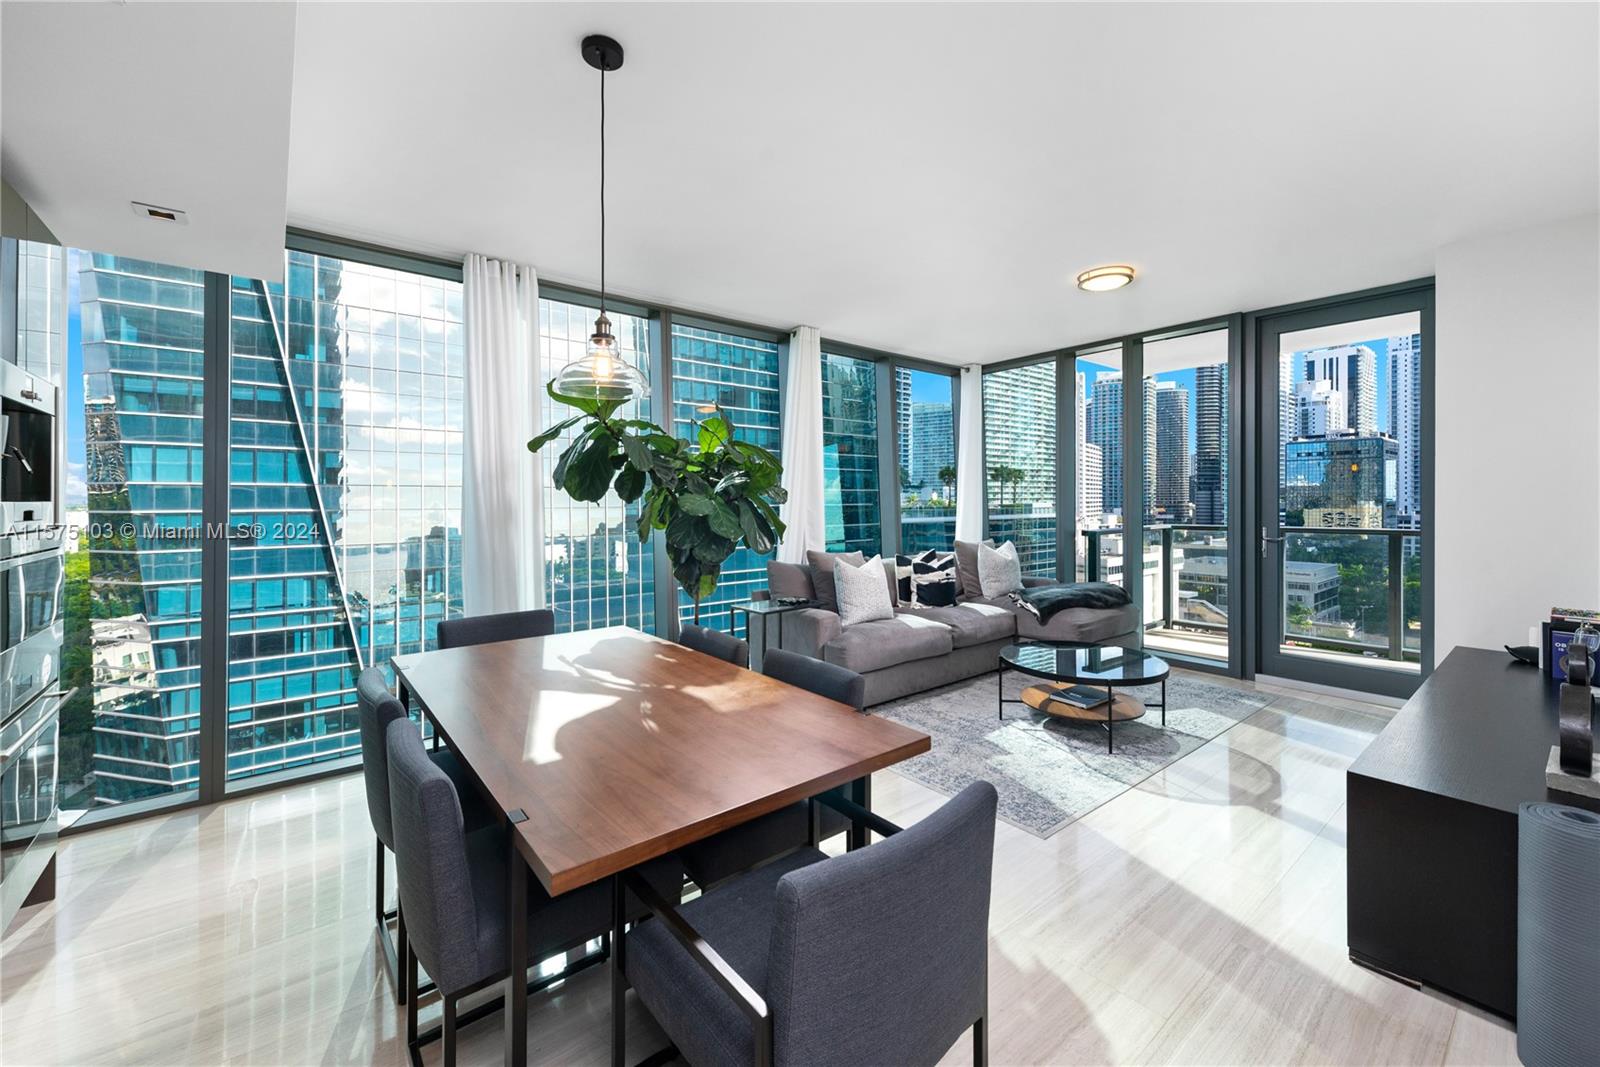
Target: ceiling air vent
160 214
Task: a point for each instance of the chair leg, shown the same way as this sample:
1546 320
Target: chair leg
380 878
411 999
980 1042
449 1032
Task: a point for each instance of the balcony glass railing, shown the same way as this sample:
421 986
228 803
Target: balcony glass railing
927 526
1034 533
1355 592
1345 592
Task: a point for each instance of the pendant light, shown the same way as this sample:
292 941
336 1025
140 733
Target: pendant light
602 372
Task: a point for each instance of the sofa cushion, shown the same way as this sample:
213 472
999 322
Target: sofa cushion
974 622
967 567
789 580
870 646
822 564
1088 625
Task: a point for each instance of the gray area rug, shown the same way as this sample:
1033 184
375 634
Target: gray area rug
1049 772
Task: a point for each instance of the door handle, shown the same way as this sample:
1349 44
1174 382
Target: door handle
1265 537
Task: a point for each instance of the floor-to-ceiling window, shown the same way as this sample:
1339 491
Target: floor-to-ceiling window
341 485
345 429
1186 447
1019 441
1098 396
925 442
596 571
851 505
738 374
135 335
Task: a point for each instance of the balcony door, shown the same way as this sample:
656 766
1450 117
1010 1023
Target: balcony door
1344 538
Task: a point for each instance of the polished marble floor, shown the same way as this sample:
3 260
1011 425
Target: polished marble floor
1198 918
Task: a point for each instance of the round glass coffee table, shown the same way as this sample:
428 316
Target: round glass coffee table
1075 670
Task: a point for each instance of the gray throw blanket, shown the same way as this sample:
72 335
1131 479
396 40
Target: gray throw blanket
1044 601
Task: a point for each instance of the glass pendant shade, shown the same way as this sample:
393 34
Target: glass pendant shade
603 372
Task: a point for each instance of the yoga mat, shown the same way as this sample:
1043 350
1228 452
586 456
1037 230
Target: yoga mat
1558 936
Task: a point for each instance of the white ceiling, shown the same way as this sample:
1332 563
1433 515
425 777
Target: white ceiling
179 105
925 179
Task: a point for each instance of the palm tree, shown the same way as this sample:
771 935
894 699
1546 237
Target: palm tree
947 478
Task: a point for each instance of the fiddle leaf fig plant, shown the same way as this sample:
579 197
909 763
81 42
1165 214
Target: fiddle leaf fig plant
707 496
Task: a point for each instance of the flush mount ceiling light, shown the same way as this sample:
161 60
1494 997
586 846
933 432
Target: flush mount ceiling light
1105 279
602 372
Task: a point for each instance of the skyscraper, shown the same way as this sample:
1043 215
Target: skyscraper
1172 450
344 469
1090 486
1211 444
1353 371
1319 409
1105 433
933 445
902 407
1405 422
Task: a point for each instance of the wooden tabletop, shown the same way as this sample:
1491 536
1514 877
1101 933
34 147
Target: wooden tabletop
620 747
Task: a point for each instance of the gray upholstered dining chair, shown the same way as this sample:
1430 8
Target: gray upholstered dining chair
506 626
453 894
876 956
376 708
802 823
715 643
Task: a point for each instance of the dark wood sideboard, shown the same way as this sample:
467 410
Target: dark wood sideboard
1432 846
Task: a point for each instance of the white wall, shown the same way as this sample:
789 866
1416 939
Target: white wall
1516 401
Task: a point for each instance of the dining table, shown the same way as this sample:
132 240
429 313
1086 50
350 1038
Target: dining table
603 749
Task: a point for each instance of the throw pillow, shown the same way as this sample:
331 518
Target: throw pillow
789 580
999 570
934 581
967 567
822 564
863 595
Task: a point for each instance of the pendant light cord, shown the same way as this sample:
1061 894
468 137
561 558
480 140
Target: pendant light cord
602 188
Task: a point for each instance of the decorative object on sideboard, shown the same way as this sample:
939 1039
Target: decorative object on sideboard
1557 632
1558 941
1571 766
1527 655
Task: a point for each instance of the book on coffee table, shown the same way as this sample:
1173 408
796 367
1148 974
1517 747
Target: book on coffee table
1081 696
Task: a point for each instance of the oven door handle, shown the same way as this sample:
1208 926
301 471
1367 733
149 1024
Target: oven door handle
38 727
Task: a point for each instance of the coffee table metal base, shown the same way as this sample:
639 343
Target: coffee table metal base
1120 707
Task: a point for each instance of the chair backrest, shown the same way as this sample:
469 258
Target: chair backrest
715 643
507 626
881 955
376 709
822 678
430 854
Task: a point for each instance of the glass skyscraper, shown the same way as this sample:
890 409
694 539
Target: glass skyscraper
344 492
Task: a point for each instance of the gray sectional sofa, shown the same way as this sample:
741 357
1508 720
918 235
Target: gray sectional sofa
923 648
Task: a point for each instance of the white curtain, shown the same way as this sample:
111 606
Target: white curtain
969 461
802 448
502 527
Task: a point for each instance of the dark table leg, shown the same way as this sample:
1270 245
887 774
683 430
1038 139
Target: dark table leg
1163 703
1110 702
859 792
516 1052
999 694
619 978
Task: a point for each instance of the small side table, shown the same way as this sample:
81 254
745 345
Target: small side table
766 609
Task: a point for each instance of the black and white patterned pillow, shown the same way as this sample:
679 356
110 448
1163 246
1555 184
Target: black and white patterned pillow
933 580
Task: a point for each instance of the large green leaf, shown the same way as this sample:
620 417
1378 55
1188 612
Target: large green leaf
684 531
734 479
589 475
697 503
757 534
724 522
629 483
714 434
585 404
579 443
553 432
712 550
638 452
